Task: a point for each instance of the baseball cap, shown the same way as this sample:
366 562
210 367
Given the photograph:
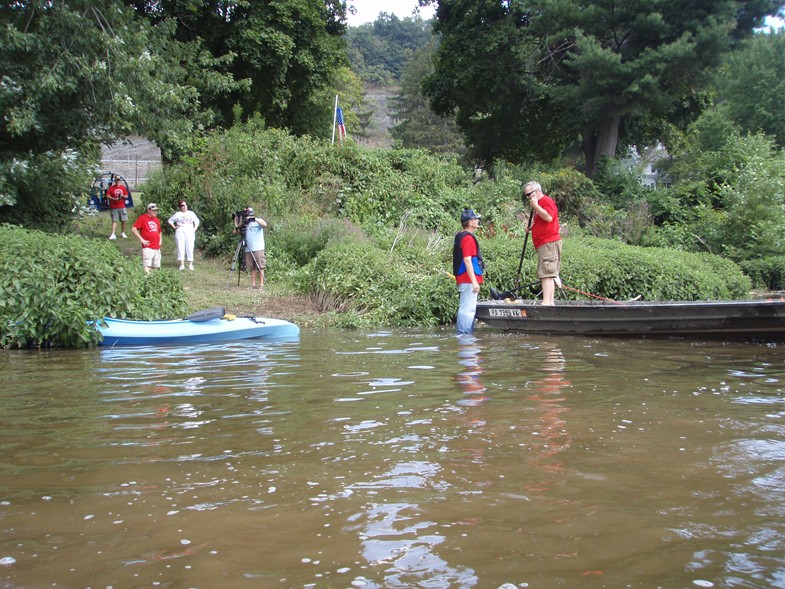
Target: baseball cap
468 215
152 207
249 212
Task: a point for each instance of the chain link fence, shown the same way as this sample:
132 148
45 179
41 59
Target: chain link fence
134 171
134 158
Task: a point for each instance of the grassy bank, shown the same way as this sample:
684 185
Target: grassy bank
212 283
58 286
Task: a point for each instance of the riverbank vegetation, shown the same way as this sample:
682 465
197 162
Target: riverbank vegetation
56 287
365 234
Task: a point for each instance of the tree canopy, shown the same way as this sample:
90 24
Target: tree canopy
751 86
286 51
379 51
79 73
528 79
417 125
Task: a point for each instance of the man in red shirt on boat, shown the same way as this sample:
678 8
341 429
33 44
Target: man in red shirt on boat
546 237
147 229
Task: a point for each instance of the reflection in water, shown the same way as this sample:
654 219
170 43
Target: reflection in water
177 380
392 460
399 541
397 537
549 400
469 378
475 393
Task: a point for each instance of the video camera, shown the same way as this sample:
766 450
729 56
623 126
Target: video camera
242 218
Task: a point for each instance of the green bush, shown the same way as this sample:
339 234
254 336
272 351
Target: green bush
613 270
731 191
43 192
54 288
619 184
301 240
282 176
766 273
500 204
373 287
402 280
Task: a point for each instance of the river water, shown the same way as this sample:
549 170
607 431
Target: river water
403 459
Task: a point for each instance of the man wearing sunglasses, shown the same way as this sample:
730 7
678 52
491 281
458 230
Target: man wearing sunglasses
546 237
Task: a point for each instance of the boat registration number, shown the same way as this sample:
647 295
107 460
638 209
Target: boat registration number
506 313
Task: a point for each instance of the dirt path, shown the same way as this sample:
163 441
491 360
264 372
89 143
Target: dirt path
298 309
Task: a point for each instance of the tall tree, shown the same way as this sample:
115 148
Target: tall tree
416 124
77 70
547 71
485 77
76 73
287 50
751 86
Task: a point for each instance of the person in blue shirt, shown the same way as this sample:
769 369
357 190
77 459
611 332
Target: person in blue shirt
254 248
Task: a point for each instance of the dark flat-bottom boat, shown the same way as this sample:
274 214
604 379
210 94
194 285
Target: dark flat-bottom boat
753 319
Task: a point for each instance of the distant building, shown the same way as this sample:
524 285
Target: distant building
649 164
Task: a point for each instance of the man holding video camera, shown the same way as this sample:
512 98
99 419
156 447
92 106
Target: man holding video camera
253 232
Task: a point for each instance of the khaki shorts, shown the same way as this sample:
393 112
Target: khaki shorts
119 214
549 259
151 258
261 260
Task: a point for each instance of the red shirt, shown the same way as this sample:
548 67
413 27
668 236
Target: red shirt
544 231
149 228
116 195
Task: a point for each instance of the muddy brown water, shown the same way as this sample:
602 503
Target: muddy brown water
395 460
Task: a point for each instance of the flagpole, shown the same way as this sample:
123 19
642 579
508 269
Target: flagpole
335 114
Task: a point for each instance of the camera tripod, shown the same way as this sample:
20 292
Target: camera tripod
238 262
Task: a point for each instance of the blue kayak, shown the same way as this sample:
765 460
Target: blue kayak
196 330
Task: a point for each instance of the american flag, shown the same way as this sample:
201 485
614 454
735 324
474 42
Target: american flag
339 121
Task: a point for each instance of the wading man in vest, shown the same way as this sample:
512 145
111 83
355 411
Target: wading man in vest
467 266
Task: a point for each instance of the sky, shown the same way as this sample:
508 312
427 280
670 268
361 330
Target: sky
368 10
776 22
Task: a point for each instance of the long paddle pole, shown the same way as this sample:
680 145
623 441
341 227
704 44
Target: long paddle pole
335 114
523 251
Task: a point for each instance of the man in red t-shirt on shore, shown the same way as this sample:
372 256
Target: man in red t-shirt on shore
546 237
116 195
147 229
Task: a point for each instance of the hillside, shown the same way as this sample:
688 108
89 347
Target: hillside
378 98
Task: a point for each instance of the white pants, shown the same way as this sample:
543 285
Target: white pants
184 240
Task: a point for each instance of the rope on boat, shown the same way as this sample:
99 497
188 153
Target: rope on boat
588 294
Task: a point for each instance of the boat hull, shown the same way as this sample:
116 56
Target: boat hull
712 319
125 332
